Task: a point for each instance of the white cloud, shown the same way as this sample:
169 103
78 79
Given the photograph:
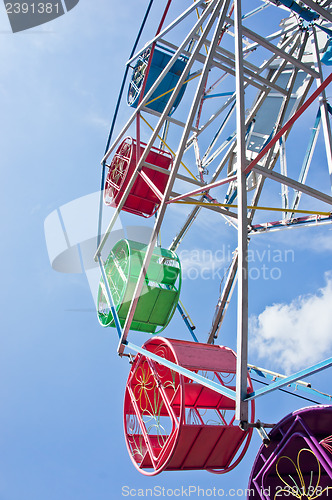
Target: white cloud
322 243
98 121
296 335
317 239
35 209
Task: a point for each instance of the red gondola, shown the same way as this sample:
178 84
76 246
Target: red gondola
145 195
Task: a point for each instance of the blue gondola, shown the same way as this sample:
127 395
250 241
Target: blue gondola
161 57
327 57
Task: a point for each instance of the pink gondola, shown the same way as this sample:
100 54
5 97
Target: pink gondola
174 423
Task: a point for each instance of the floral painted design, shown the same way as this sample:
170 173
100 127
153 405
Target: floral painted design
294 484
151 405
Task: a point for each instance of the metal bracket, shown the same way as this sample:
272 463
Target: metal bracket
260 426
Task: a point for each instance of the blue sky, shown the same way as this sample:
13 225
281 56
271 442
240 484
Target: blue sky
62 384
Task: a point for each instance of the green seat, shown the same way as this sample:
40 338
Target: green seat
160 291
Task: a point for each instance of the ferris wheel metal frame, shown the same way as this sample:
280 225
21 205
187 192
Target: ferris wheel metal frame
214 19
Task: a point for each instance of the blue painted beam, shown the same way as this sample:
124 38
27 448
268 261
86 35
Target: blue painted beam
188 325
222 94
314 393
295 385
305 13
289 380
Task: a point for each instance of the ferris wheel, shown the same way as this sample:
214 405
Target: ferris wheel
216 93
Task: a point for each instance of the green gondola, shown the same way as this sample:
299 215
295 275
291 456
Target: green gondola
160 293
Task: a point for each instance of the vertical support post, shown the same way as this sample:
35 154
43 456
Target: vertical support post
241 412
323 107
283 171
